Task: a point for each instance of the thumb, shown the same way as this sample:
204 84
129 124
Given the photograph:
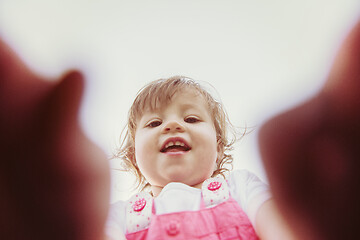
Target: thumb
344 80
63 102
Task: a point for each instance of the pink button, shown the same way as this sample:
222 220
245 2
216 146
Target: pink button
173 228
213 186
139 204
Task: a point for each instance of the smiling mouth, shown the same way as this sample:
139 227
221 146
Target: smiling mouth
175 145
175 149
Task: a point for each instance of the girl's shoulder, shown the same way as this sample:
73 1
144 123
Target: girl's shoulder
249 191
243 176
115 227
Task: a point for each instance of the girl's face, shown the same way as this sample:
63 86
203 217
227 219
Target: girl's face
177 142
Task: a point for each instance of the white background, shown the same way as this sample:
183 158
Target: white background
262 56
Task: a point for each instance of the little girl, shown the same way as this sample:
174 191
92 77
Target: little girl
177 145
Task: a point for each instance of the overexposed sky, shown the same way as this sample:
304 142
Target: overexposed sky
262 56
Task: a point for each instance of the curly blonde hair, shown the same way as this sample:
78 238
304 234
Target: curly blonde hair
159 92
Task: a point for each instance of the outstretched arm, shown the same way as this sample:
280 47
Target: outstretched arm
54 182
270 224
311 154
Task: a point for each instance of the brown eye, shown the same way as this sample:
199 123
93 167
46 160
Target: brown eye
191 120
154 124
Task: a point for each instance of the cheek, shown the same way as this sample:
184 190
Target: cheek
143 147
138 148
215 146
209 142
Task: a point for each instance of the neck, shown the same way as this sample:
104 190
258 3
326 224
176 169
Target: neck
157 189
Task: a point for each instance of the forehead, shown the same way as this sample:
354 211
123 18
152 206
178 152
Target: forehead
184 99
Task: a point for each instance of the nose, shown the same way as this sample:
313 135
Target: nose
173 126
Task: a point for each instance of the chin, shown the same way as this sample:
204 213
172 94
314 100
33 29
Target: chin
178 178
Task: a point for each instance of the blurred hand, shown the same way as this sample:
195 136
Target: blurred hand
312 154
54 182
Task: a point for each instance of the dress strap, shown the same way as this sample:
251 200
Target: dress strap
215 191
140 207
138 212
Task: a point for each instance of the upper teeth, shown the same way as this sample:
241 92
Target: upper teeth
177 143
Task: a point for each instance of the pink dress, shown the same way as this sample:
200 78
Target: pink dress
219 217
